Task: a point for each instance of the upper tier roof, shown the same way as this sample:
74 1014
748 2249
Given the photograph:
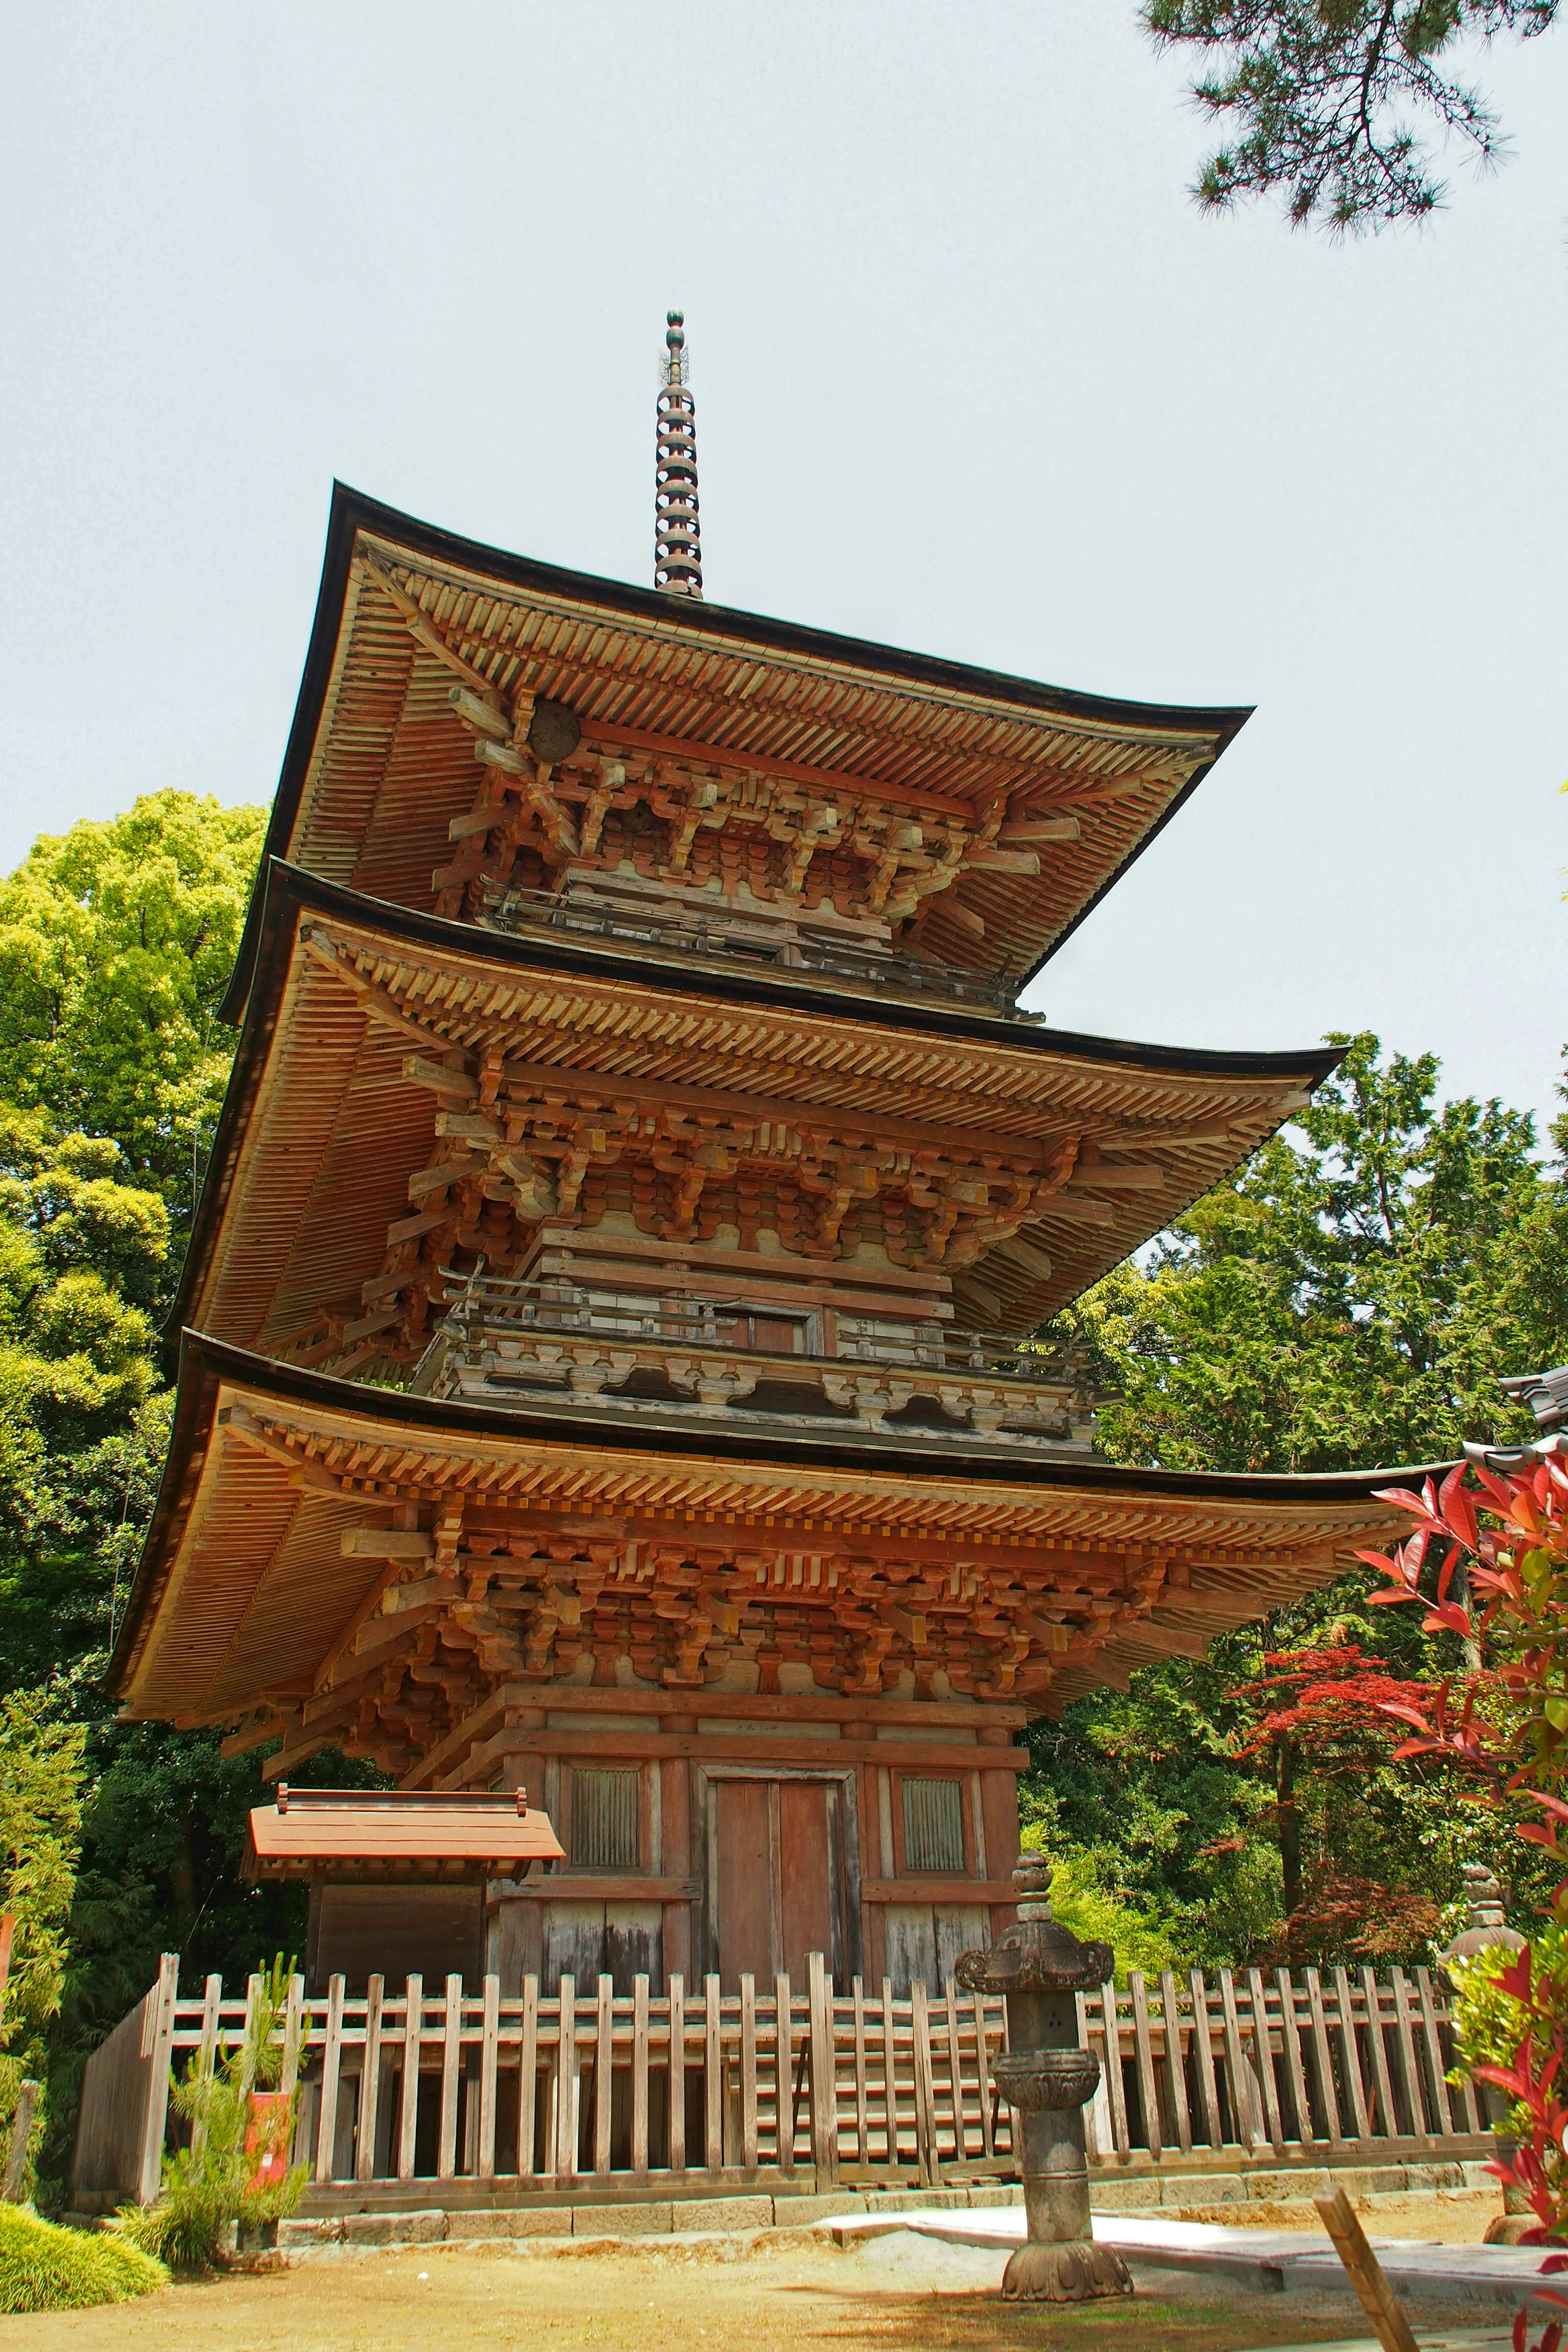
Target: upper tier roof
380 764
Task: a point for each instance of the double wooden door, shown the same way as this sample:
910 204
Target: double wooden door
783 1873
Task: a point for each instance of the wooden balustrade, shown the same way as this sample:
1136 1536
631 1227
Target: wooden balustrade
694 2087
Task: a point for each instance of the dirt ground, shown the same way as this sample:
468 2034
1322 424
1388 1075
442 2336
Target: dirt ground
1457 2221
897 2294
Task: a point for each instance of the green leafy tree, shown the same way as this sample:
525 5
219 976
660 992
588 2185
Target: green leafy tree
1324 95
40 1843
115 943
82 1250
1348 1298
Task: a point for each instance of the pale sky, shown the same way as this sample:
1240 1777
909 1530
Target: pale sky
972 375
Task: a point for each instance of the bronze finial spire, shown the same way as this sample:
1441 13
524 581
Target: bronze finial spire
678 535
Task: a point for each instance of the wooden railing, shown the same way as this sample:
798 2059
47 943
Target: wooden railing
592 2089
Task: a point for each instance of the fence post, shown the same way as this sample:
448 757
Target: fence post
1115 2086
565 2084
1144 2052
824 2072
331 2068
925 2088
161 1998
1175 2059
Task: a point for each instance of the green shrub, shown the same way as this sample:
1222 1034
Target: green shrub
45 2268
209 2184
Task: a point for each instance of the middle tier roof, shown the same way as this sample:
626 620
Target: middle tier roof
406 1088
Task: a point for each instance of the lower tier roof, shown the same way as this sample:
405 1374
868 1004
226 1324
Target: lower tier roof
361 1567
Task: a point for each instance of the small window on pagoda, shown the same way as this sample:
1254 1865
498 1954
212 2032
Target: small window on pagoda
934 1825
605 1827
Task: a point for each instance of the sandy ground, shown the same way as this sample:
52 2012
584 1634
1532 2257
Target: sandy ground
898 2293
1459 2220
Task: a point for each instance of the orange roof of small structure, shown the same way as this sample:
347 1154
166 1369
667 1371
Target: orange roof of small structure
329 1825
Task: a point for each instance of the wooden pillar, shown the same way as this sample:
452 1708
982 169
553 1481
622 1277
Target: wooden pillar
680 1860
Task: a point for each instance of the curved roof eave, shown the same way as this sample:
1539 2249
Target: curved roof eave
206 1364
284 892
351 512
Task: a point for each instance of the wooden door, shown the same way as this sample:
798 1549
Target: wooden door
781 1870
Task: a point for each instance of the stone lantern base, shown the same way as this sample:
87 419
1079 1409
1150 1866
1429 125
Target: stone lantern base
1069 2273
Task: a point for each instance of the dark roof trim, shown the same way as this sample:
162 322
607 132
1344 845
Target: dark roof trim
286 892
351 512
206 1364
795 992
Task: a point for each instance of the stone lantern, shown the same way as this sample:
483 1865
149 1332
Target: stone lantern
1038 1965
1485 1930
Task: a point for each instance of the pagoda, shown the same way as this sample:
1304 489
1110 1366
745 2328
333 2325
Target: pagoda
606 1360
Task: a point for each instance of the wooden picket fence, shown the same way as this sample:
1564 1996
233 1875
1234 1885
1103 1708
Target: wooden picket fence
590 2089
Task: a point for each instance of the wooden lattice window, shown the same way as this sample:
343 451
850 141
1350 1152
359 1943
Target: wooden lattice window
934 1825
605 1827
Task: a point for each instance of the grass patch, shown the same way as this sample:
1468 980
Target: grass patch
43 2267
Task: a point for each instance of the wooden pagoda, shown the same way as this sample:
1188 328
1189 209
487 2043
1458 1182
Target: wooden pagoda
605 1362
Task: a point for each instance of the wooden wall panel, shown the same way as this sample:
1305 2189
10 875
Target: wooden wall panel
743 1892
396 1932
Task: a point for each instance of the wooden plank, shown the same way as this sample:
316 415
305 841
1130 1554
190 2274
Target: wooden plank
1370 1993
451 2051
1175 2070
1365 2274
925 2096
1434 2052
490 2086
369 2081
158 2010
1235 2065
712 2077
642 1747
252 2000
603 2072
783 2072
675 2082
1116 2088
1264 2056
889 2076
749 2072
1290 2036
1324 2058
1202 2044
565 2084
1407 2054
528 2077
332 2061
295 2032
1143 2050
413 2023
639 2076
1350 2055
955 2075
857 2002
983 2069
1092 2147
206 2049
824 2072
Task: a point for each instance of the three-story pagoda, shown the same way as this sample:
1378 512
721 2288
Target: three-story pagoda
607 1362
